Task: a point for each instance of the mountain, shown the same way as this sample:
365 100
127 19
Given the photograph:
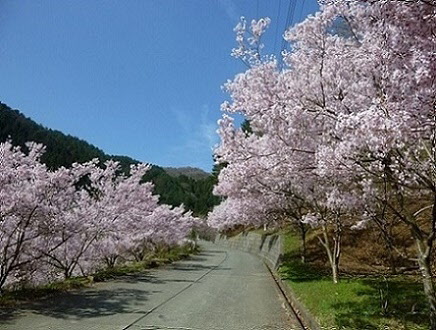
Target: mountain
189 186
190 172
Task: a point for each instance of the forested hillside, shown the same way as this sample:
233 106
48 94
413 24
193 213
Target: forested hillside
63 150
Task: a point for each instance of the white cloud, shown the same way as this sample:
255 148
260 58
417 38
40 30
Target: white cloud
182 119
198 138
208 128
230 9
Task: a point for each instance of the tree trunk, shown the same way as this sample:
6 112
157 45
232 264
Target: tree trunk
3 278
425 249
392 261
111 261
303 249
335 253
387 237
4 273
429 289
333 264
303 231
336 258
335 272
67 274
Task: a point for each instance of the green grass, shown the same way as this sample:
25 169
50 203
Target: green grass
121 270
261 231
12 298
354 303
163 256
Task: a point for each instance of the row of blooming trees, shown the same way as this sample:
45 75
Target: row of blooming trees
75 220
342 132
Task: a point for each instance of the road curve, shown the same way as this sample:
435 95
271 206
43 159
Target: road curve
218 289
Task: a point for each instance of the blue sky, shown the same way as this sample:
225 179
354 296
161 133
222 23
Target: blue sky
140 78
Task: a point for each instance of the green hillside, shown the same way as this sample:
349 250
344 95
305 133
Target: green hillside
63 150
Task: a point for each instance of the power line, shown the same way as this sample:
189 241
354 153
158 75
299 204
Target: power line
286 23
289 19
300 17
277 27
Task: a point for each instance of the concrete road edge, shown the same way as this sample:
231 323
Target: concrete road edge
304 316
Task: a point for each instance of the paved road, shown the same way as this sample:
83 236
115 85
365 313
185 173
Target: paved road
219 289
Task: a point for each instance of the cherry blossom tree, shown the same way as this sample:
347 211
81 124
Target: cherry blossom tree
31 197
67 221
395 164
348 124
126 204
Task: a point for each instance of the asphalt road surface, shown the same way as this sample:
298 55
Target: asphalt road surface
218 289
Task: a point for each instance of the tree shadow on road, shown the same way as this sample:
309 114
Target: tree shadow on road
192 267
83 304
8 314
86 303
120 294
91 303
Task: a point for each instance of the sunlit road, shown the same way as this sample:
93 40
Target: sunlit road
218 289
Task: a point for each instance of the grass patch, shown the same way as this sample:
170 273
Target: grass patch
161 257
176 253
262 231
371 303
121 270
12 298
